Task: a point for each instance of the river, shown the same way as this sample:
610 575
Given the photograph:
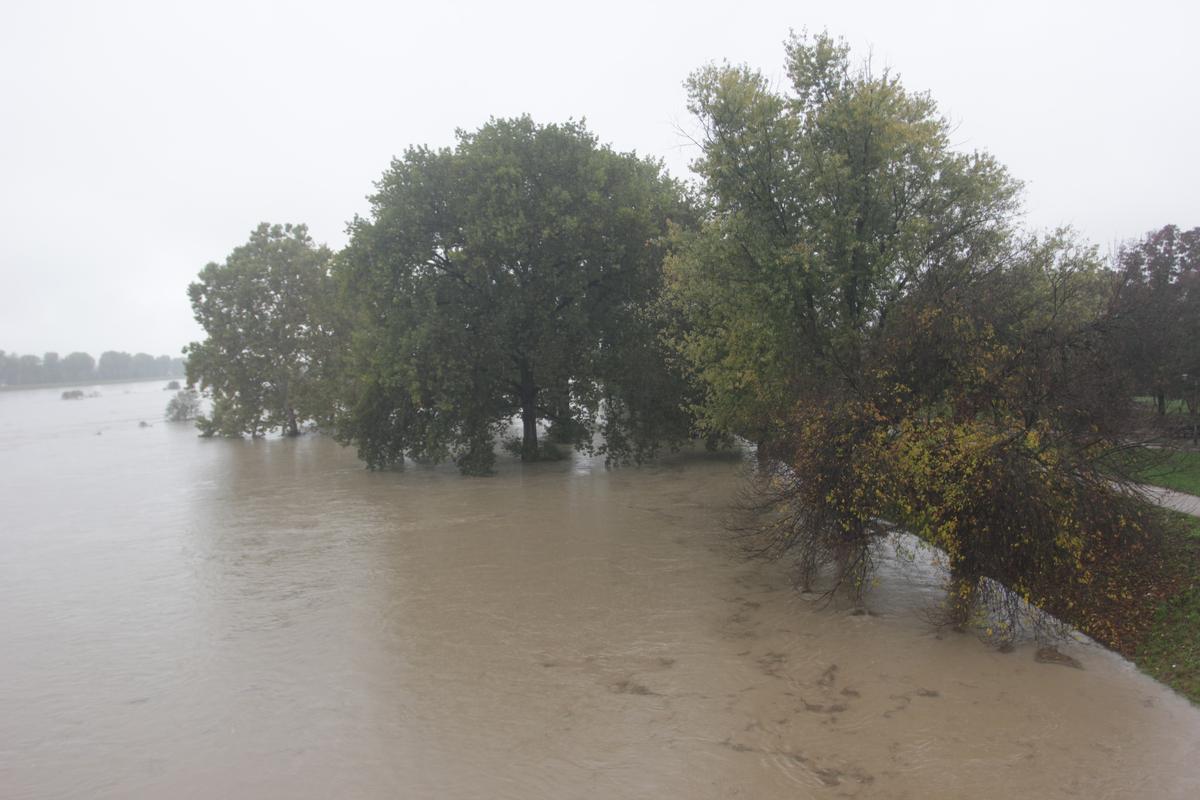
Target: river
193 618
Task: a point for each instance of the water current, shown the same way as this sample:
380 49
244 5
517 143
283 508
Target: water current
190 618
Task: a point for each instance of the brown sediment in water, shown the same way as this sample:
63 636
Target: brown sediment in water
269 619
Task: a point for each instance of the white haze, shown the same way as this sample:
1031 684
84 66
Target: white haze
140 140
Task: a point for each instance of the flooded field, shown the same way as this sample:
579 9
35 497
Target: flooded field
196 618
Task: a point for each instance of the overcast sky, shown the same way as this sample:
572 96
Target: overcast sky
140 140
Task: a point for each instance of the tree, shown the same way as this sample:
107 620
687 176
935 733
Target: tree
183 406
51 368
859 302
114 366
826 205
143 365
1159 301
78 367
255 309
29 369
511 275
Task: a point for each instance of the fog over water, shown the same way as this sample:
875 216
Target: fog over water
202 618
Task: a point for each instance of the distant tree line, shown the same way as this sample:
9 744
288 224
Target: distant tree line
25 370
843 289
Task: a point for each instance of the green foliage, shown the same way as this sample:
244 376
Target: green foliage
184 406
858 302
1159 310
264 337
1171 469
513 274
827 204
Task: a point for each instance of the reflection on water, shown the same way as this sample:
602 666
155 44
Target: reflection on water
192 618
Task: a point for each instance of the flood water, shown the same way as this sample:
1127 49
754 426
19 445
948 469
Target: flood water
190 618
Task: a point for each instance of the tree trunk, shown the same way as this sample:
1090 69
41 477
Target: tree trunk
292 428
529 441
1160 400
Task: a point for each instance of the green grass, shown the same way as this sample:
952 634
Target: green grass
1178 470
1170 644
1173 406
1170 651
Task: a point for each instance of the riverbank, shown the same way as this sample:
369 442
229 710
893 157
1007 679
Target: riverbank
1177 469
1170 648
1157 616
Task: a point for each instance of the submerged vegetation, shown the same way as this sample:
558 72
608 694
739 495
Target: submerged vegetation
843 289
262 355
184 406
859 302
514 274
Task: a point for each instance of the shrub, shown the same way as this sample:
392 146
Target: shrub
184 406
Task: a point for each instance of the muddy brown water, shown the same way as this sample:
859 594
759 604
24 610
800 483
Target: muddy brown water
194 619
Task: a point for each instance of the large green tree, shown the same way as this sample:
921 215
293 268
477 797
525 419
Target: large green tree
827 203
1159 303
859 301
512 275
263 339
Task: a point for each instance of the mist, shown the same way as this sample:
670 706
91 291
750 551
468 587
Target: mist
143 140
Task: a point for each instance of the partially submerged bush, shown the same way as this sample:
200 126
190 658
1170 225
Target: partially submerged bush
184 406
1023 519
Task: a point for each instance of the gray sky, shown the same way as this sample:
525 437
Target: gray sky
140 140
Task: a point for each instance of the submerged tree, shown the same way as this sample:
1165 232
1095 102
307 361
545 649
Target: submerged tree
859 303
259 355
511 275
184 406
